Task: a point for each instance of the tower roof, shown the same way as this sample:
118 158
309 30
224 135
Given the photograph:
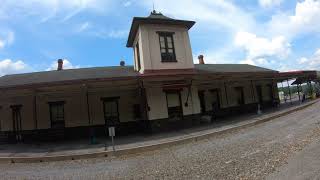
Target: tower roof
154 18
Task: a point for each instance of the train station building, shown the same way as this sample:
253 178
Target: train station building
164 89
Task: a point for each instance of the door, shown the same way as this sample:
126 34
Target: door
202 101
270 90
111 111
215 99
259 93
239 95
174 105
57 115
17 122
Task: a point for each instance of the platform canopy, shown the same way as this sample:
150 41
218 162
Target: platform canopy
299 76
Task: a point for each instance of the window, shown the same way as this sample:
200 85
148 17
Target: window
110 110
57 114
167 47
138 57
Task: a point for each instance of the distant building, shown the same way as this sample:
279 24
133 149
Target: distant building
164 89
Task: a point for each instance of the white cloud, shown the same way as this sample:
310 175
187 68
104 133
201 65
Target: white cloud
302 60
248 61
312 62
269 3
1 44
212 14
84 26
127 3
306 19
8 66
48 9
6 38
261 47
66 65
115 34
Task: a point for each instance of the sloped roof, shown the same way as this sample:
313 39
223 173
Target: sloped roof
114 72
67 75
231 68
154 18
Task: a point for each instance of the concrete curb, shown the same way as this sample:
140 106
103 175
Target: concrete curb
139 149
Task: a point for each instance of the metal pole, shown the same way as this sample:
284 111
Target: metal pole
226 93
252 90
113 144
289 91
35 114
298 91
311 89
284 97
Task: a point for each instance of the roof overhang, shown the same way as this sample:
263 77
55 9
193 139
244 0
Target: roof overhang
301 76
137 21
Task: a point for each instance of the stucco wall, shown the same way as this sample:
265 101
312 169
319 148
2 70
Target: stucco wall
75 107
158 103
27 121
150 48
228 95
76 113
126 101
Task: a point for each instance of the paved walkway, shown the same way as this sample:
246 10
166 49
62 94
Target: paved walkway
83 147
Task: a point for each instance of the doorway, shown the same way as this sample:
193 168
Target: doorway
174 105
17 122
57 115
202 101
270 90
259 94
111 111
215 99
239 95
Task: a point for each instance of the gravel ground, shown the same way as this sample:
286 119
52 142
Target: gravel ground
250 153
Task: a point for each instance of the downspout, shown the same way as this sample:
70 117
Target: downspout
253 94
88 106
35 110
289 91
226 93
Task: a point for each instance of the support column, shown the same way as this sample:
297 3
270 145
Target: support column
289 91
88 106
284 97
144 108
298 89
35 113
311 89
226 93
252 91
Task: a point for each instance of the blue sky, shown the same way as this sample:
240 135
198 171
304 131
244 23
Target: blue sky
278 34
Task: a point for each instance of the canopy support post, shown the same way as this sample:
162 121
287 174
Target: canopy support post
298 89
289 91
284 97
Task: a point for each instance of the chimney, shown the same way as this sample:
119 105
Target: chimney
60 65
122 63
201 61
